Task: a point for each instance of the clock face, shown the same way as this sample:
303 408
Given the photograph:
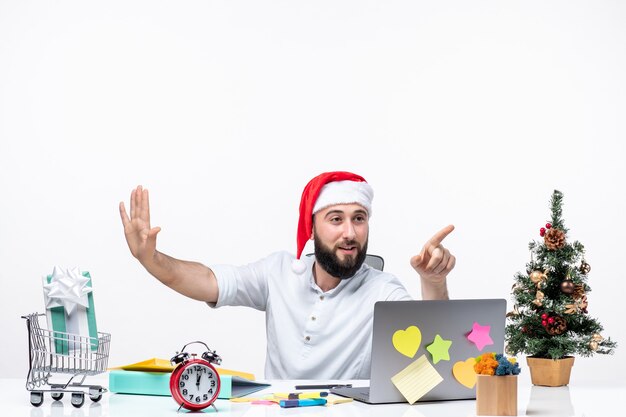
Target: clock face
198 384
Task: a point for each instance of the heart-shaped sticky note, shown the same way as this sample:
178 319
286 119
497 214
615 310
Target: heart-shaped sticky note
464 372
407 341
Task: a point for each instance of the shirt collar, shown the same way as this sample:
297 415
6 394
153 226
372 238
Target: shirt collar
342 283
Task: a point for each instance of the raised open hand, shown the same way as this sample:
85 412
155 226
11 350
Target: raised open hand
434 262
140 237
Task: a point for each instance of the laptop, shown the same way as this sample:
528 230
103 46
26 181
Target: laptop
453 321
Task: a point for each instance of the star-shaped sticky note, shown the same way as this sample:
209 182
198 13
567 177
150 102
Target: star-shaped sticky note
439 349
480 336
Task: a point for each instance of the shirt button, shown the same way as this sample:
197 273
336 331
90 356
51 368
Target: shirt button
313 318
322 297
308 338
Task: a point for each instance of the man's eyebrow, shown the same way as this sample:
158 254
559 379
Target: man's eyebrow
333 212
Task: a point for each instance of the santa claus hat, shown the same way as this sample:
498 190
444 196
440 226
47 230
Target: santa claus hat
325 190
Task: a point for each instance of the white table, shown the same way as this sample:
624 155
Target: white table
536 401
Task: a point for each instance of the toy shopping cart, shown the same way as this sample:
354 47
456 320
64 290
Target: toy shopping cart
51 352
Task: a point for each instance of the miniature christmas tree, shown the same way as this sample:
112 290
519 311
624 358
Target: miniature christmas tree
550 318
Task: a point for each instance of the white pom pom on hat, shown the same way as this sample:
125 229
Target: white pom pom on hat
325 190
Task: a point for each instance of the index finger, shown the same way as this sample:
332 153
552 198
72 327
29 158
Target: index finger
441 235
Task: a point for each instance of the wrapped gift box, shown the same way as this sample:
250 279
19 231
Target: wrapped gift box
70 311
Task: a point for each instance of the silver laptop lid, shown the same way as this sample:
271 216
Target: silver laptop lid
452 320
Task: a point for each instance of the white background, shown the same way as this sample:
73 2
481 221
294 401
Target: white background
462 112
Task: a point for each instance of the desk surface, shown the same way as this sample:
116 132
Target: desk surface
536 401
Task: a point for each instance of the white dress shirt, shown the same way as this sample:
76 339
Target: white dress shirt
311 334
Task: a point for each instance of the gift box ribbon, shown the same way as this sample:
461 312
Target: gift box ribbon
71 314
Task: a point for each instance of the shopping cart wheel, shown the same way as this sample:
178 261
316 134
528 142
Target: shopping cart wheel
36 398
78 399
95 394
56 395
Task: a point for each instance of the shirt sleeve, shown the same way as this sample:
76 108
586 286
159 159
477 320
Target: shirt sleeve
399 294
242 285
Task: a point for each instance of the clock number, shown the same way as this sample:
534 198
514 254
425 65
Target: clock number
210 391
210 374
185 377
182 384
212 382
185 391
198 399
205 397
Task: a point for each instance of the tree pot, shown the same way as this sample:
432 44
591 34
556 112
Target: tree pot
550 372
496 395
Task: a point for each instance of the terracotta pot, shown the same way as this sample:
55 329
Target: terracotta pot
550 372
496 395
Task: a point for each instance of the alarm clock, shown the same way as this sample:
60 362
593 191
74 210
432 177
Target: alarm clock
194 382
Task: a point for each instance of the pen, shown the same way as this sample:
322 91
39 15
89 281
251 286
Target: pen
307 402
324 386
301 395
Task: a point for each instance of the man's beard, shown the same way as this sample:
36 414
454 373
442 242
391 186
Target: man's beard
331 263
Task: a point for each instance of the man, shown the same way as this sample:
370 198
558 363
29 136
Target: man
319 311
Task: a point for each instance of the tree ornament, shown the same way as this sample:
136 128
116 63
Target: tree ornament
577 306
539 278
595 341
513 313
585 268
554 239
567 286
557 326
538 301
579 291
570 308
515 288
548 226
542 232
544 316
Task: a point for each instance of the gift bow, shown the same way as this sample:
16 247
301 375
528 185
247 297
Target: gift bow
67 288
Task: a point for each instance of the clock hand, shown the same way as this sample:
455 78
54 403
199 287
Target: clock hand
198 380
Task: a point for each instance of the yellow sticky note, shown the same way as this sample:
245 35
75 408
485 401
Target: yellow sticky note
407 341
464 372
417 379
336 399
